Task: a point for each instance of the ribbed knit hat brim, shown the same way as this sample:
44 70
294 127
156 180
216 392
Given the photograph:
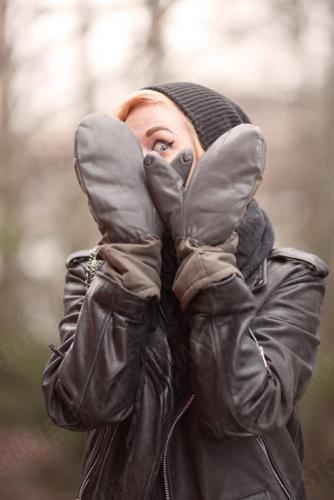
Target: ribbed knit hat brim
212 114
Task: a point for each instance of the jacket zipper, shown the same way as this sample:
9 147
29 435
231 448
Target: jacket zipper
92 467
260 348
171 430
165 450
261 443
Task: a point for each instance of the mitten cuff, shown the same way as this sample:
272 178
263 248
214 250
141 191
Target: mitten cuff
135 266
202 266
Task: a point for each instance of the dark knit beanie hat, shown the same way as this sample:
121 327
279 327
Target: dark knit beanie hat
211 113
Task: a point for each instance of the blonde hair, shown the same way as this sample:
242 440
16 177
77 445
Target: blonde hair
142 97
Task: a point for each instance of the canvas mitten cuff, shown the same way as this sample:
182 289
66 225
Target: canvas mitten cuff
203 265
135 266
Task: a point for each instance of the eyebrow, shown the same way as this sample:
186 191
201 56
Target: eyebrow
154 129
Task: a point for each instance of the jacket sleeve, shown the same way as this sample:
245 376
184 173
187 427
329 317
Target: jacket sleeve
249 367
92 377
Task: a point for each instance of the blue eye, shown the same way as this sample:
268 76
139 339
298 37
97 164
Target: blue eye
162 146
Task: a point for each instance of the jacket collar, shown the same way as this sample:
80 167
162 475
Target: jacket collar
258 278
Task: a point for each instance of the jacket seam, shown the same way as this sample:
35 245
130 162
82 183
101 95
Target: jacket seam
106 321
282 320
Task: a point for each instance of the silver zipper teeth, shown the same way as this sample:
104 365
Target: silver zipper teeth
92 267
177 418
260 348
91 468
86 479
263 447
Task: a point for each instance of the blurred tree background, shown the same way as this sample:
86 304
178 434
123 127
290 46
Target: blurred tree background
60 60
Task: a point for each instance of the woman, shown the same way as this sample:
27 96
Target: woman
187 340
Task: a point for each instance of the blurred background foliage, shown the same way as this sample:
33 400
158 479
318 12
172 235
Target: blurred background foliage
60 60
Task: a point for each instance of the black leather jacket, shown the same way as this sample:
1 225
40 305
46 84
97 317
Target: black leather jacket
189 406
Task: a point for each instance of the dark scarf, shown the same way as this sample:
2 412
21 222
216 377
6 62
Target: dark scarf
256 239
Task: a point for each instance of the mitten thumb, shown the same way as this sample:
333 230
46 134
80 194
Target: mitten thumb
166 189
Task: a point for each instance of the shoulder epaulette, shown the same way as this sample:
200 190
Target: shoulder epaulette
80 256
318 265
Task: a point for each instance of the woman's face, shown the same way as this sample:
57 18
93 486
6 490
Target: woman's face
160 127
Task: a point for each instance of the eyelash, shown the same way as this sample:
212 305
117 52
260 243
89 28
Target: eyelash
169 144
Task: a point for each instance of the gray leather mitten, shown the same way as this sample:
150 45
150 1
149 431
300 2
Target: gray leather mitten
109 168
202 214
